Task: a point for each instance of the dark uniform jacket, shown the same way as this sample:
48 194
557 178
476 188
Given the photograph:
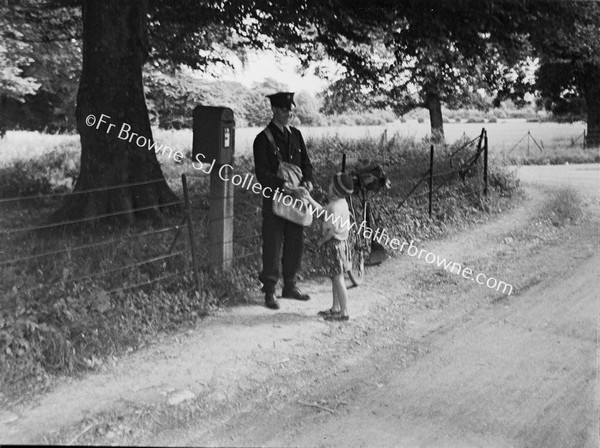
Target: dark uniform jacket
266 163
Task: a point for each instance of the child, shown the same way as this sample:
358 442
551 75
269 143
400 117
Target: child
334 242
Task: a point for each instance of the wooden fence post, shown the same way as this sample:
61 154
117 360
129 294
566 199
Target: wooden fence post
485 165
430 180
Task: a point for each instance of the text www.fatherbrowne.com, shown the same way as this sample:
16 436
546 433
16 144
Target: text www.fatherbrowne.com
247 182
382 237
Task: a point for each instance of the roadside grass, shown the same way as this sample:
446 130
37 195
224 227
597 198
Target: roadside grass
563 207
558 155
50 325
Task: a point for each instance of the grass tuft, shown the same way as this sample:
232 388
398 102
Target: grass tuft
565 206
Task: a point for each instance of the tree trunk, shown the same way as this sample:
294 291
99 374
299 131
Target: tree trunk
590 84
434 105
114 51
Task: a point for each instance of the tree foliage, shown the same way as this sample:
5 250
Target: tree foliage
118 38
44 57
567 40
410 53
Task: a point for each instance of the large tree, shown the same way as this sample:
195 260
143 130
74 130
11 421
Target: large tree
118 37
115 47
566 37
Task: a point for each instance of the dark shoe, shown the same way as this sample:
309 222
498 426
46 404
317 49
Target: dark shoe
271 301
294 293
337 318
266 287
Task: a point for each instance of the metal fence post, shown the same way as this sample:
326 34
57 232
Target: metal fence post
190 226
485 165
430 179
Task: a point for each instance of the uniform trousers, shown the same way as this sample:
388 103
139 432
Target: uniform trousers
280 235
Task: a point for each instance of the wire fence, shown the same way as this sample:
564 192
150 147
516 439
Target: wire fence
459 163
528 142
112 259
73 258
461 168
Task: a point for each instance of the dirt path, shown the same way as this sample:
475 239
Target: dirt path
429 359
519 374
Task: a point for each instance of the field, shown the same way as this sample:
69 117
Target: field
503 136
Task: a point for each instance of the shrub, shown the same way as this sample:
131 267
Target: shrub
500 113
563 207
369 118
503 179
54 172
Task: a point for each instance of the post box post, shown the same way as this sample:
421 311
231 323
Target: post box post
214 140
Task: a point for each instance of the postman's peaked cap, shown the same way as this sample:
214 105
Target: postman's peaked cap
282 99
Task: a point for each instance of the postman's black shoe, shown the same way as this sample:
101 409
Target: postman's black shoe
271 301
294 293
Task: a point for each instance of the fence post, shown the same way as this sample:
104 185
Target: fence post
430 179
485 165
221 219
584 139
190 226
343 162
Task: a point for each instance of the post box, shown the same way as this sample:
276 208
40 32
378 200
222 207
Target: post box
214 134
214 138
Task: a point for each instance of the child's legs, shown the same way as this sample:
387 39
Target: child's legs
340 293
336 301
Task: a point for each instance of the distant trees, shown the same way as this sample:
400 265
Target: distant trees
408 54
425 53
173 96
54 69
39 70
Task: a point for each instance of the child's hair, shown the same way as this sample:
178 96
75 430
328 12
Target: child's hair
342 185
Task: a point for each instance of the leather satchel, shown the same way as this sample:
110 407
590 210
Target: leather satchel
297 212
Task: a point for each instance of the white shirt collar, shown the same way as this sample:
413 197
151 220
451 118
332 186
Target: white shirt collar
284 128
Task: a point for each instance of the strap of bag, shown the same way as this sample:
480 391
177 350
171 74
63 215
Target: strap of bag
269 135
